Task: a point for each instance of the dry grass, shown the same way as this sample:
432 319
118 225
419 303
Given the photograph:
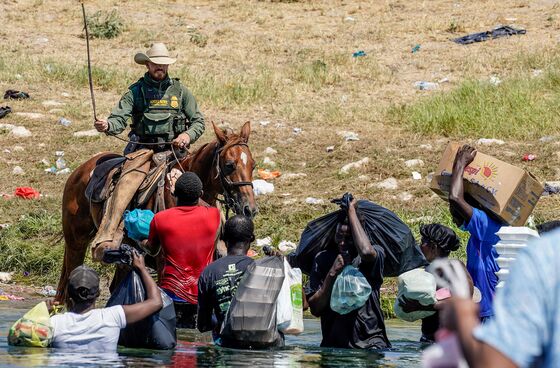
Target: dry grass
287 62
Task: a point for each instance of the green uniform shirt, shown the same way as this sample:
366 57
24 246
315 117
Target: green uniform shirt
123 111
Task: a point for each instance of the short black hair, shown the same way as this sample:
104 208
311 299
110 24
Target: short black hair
548 226
440 236
188 188
238 229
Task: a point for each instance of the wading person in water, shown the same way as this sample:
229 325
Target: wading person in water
85 328
161 110
363 328
186 235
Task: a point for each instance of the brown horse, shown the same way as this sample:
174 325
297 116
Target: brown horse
225 166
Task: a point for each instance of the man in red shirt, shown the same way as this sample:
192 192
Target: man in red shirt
187 235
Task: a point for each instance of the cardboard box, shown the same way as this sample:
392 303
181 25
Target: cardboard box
508 191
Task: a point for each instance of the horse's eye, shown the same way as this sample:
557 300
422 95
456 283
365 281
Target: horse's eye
229 167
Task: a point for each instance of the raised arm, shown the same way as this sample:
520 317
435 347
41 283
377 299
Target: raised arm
361 241
320 301
116 122
152 304
460 209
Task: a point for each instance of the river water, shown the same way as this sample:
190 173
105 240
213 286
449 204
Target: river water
197 350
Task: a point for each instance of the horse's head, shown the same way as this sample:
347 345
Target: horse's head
235 165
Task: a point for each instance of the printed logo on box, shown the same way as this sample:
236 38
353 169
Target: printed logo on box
488 171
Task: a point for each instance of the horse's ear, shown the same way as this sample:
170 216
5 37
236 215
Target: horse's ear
219 134
245 131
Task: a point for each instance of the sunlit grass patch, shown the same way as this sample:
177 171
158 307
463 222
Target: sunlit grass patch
521 107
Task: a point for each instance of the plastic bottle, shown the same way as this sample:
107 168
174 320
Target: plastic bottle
60 162
424 86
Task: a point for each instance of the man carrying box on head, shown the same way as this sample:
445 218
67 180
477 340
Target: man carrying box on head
482 226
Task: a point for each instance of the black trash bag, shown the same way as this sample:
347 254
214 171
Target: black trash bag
251 319
383 228
154 332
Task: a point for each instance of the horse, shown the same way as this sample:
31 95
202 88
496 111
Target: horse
225 167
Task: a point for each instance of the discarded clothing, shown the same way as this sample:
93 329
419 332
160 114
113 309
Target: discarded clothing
15 95
5 110
502 31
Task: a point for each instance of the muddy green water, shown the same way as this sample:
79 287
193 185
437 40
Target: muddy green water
197 350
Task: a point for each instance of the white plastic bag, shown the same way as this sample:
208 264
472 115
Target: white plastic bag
351 291
416 285
289 306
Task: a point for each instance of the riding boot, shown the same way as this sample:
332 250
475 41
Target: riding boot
133 173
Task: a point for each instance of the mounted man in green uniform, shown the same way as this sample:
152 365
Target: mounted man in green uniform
161 110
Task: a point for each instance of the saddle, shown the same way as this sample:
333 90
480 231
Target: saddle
106 174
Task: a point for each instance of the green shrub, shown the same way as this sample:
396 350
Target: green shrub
105 25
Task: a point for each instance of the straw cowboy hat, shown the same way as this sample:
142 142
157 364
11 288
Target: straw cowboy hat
157 54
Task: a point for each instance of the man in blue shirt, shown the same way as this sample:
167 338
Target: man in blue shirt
525 330
481 254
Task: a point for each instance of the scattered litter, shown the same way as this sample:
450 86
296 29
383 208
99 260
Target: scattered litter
537 72
268 175
7 151
27 193
45 162
30 115
6 196
261 187
488 141
329 149
18 76
425 86
551 187
289 176
18 171
48 291
426 147
296 130
4 297
546 139
65 94
354 165
416 175
4 226
18 149
49 103
60 162
405 196
286 246
41 40
349 136
15 95
8 127
20 132
87 133
268 161
350 19
390 184
494 80
64 122
430 176
63 171
443 80
252 253
363 178
264 122
270 151
4 110
311 200
343 98
359 53
414 162
529 157
6 277
264 241
416 48
501 31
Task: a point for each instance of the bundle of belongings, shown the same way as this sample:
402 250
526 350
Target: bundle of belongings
383 228
33 329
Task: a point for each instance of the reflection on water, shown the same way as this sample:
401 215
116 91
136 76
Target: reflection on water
197 350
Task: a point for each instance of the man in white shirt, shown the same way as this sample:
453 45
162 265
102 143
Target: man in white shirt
85 328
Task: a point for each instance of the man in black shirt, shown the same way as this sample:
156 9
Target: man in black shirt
364 327
219 280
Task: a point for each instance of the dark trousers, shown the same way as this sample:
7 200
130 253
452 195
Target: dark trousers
186 314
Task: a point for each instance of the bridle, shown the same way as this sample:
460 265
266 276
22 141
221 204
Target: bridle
230 201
